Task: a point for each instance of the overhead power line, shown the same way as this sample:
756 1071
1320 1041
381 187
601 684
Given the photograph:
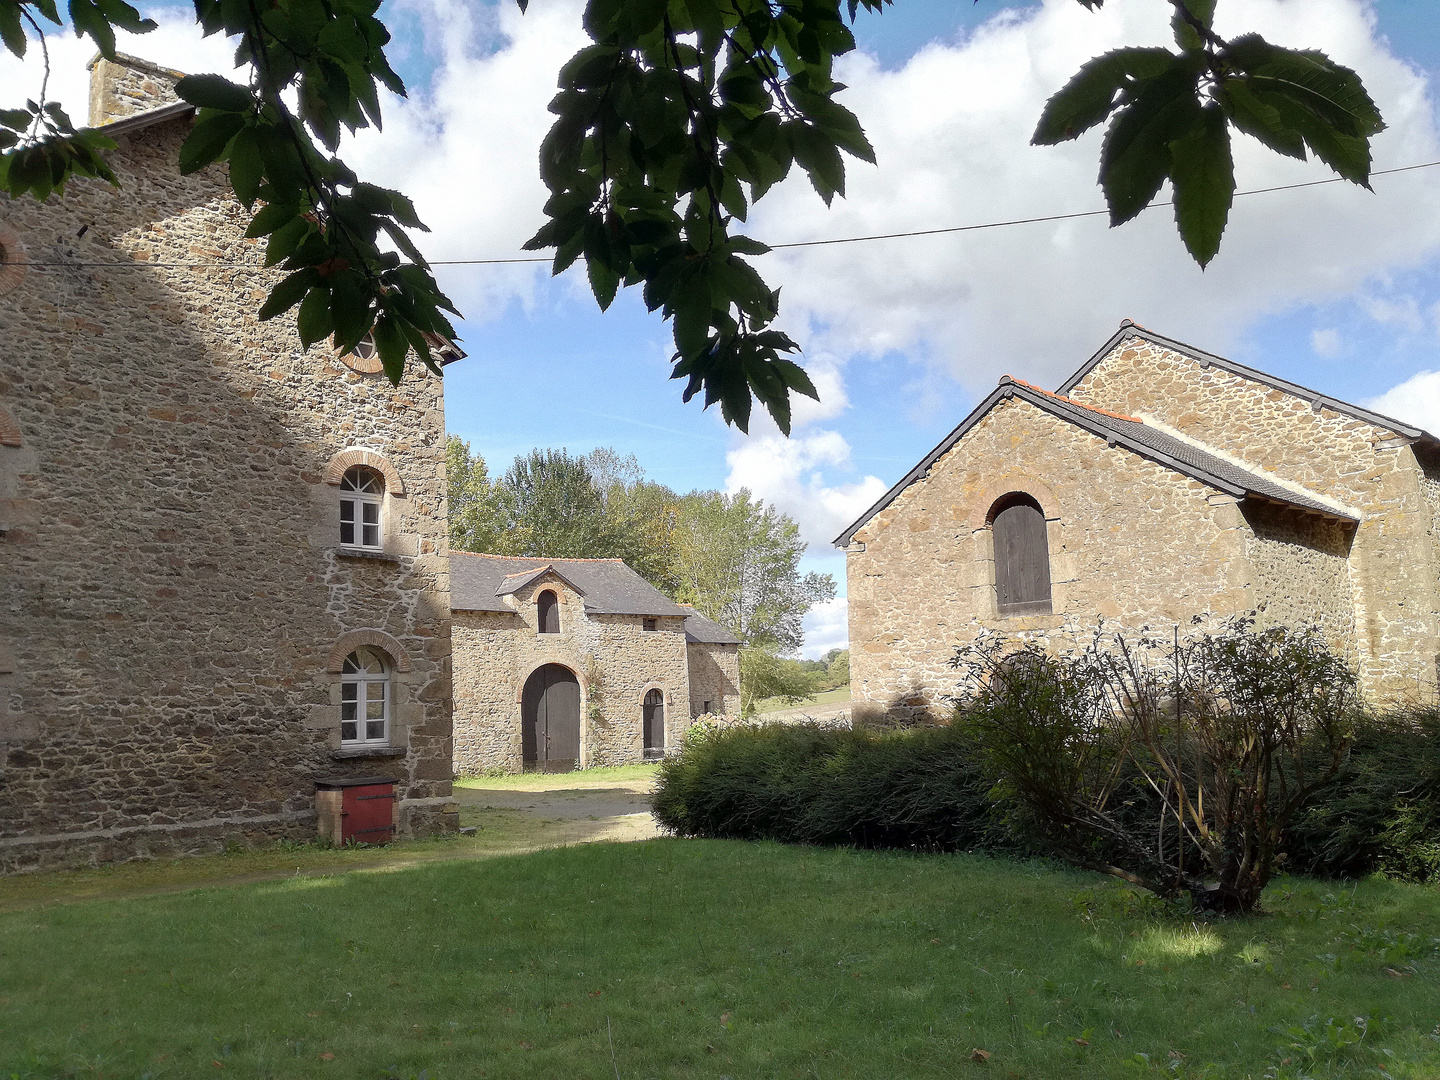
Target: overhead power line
526 259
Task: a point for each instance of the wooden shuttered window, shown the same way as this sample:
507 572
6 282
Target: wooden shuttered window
1022 557
548 609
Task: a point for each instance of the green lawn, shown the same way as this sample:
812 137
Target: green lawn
713 959
838 696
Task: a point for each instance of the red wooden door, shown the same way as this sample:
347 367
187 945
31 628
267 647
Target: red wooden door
367 814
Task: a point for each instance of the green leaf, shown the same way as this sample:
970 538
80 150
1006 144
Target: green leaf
391 343
1203 173
1186 36
88 21
1089 97
1135 158
314 322
247 167
12 30
207 141
1259 119
214 92
269 218
288 292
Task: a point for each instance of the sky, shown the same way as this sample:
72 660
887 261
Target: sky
1332 287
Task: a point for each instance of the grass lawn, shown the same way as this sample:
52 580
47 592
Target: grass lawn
715 959
838 696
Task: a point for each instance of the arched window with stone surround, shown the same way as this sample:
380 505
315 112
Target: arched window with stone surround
364 699
1022 555
547 611
362 495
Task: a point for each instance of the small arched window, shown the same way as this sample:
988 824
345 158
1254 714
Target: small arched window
547 607
1022 556
362 491
364 699
653 721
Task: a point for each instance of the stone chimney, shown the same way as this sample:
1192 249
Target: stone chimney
128 85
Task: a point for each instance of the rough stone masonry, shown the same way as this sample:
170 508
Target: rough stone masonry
176 604
1170 484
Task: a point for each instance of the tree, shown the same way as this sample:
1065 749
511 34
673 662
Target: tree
678 116
549 507
739 564
763 676
474 501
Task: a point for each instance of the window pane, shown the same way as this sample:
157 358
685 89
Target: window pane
375 729
349 691
347 532
348 732
372 535
347 509
375 710
347 711
371 512
371 482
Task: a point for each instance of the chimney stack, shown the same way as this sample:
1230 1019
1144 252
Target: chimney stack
128 85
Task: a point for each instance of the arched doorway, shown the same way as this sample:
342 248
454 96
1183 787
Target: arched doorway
653 714
550 720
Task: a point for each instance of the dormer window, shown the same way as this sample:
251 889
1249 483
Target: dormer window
547 610
362 491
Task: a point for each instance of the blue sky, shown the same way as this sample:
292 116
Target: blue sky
1334 288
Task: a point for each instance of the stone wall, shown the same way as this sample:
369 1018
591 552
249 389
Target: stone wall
1301 572
171 583
714 678
128 85
1367 469
615 660
1131 543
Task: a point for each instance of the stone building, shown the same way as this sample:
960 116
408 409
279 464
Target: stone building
1159 483
223 558
572 663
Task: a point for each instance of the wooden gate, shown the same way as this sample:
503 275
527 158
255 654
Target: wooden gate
653 713
550 720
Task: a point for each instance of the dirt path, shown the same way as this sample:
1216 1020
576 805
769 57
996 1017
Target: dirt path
616 810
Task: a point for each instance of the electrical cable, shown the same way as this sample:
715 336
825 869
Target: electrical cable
773 247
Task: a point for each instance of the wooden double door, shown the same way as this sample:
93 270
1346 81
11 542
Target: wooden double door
550 720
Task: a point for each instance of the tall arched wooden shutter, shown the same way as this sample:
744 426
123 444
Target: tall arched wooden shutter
1022 557
548 608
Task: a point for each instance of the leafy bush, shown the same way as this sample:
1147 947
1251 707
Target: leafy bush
1383 812
1231 733
922 789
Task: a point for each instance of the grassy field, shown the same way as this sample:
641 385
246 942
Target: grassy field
690 959
838 696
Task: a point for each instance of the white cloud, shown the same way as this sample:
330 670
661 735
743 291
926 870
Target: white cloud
827 626
790 475
1326 343
951 129
1415 401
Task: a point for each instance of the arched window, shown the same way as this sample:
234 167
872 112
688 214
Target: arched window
1022 556
362 491
547 607
364 699
653 714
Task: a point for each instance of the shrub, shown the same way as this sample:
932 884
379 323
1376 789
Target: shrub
1226 736
922 789
1383 812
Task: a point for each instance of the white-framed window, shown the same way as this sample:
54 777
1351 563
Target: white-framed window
364 700
362 491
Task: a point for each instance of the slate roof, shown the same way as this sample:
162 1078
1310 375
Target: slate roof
608 586
1317 400
705 631
1118 430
